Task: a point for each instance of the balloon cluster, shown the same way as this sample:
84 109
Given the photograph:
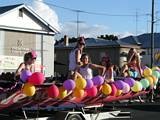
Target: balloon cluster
82 87
91 87
30 81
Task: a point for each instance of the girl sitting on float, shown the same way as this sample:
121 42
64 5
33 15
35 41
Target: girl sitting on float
29 60
109 73
86 70
133 64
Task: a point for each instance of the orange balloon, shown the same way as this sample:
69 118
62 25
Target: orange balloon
150 79
155 79
79 93
119 92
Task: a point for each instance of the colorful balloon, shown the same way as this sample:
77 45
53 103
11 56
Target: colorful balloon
79 93
145 83
29 89
150 79
36 78
53 91
156 74
155 79
144 67
119 84
80 83
25 74
114 90
137 87
69 84
98 80
126 88
106 89
119 92
155 68
147 72
92 92
89 84
129 81
62 93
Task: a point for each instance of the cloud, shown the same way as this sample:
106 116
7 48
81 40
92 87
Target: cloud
46 13
85 30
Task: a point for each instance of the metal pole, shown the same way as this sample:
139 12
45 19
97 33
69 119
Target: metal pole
42 52
152 35
77 23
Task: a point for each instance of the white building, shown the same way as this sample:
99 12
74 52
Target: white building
22 30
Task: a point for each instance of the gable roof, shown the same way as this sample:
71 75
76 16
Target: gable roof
5 9
96 42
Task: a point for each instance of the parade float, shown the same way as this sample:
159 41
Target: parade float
33 93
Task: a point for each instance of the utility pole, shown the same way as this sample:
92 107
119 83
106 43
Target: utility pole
78 23
136 22
152 35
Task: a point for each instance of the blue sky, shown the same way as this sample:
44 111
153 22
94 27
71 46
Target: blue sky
96 24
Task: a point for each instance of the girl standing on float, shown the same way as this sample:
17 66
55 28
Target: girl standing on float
75 55
29 60
86 70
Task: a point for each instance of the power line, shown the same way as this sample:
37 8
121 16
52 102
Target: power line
88 12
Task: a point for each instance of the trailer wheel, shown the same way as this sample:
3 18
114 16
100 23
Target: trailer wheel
74 117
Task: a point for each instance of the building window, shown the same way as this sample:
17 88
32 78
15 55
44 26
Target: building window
20 13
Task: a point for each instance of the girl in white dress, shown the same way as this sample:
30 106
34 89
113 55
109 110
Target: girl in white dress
86 70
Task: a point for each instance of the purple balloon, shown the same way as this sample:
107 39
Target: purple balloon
129 81
89 84
144 67
98 80
69 84
119 84
25 74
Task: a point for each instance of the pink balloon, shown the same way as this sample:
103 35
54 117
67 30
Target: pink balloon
36 78
92 92
114 90
53 91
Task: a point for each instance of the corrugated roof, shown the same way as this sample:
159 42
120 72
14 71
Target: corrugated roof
4 9
145 39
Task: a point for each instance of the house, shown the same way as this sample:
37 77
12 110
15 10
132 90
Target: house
144 41
96 48
22 30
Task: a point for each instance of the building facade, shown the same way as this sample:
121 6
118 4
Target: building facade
22 30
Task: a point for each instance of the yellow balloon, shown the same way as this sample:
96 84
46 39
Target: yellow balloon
62 93
155 68
119 92
150 79
137 87
29 89
79 93
106 89
80 83
147 72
